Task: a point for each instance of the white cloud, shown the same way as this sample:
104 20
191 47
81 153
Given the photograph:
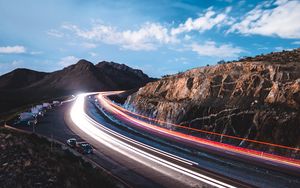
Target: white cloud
204 22
147 37
16 63
296 42
187 37
279 18
88 45
262 48
55 33
93 54
227 1
36 52
9 66
210 48
12 49
182 60
68 60
278 48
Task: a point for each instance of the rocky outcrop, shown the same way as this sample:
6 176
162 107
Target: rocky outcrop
255 100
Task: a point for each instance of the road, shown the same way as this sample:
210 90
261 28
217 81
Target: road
146 161
53 125
213 146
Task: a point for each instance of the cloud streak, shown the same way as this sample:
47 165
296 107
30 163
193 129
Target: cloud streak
270 18
204 22
55 33
280 18
68 60
211 49
12 49
147 37
150 36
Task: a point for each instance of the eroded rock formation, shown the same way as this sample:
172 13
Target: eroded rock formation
256 100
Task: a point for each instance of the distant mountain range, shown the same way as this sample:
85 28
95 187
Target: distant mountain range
23 86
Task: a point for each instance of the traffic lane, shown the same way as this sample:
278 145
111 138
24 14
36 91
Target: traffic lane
182 163
154 178
250 173
53 125
129 173
286 164
96 115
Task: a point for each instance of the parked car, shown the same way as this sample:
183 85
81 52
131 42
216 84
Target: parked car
72 142
32 122
84 148
55 103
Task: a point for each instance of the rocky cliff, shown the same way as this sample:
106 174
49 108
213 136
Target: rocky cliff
257 100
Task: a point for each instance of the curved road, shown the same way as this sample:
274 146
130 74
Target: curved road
179 170
182 171
146 160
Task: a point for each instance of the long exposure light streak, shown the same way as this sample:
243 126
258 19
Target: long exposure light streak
115 110
201 131
114 141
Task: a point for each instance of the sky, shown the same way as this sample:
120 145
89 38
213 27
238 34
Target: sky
157 36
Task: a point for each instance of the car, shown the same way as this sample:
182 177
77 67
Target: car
84 148
72 142
32 122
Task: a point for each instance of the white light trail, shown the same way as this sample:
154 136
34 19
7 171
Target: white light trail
98 132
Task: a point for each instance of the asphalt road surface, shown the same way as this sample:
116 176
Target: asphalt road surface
137 171
53 126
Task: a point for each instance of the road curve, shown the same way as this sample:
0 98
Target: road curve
264 159
168 165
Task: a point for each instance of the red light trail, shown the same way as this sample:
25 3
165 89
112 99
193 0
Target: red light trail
203 131
123 114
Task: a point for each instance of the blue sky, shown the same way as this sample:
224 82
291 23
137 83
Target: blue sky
159 36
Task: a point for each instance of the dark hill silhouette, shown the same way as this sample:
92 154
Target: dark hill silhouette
20 78
22 86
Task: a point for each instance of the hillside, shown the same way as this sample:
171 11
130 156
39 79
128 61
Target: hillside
20 78
23 86
29 161
257 100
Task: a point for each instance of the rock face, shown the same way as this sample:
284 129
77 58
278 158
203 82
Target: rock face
23 86
254 100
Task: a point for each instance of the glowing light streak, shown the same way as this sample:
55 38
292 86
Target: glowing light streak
114 109
89 126
202 131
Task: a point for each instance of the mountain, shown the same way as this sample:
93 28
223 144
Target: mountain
126 75
257 99
20 78
22 86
